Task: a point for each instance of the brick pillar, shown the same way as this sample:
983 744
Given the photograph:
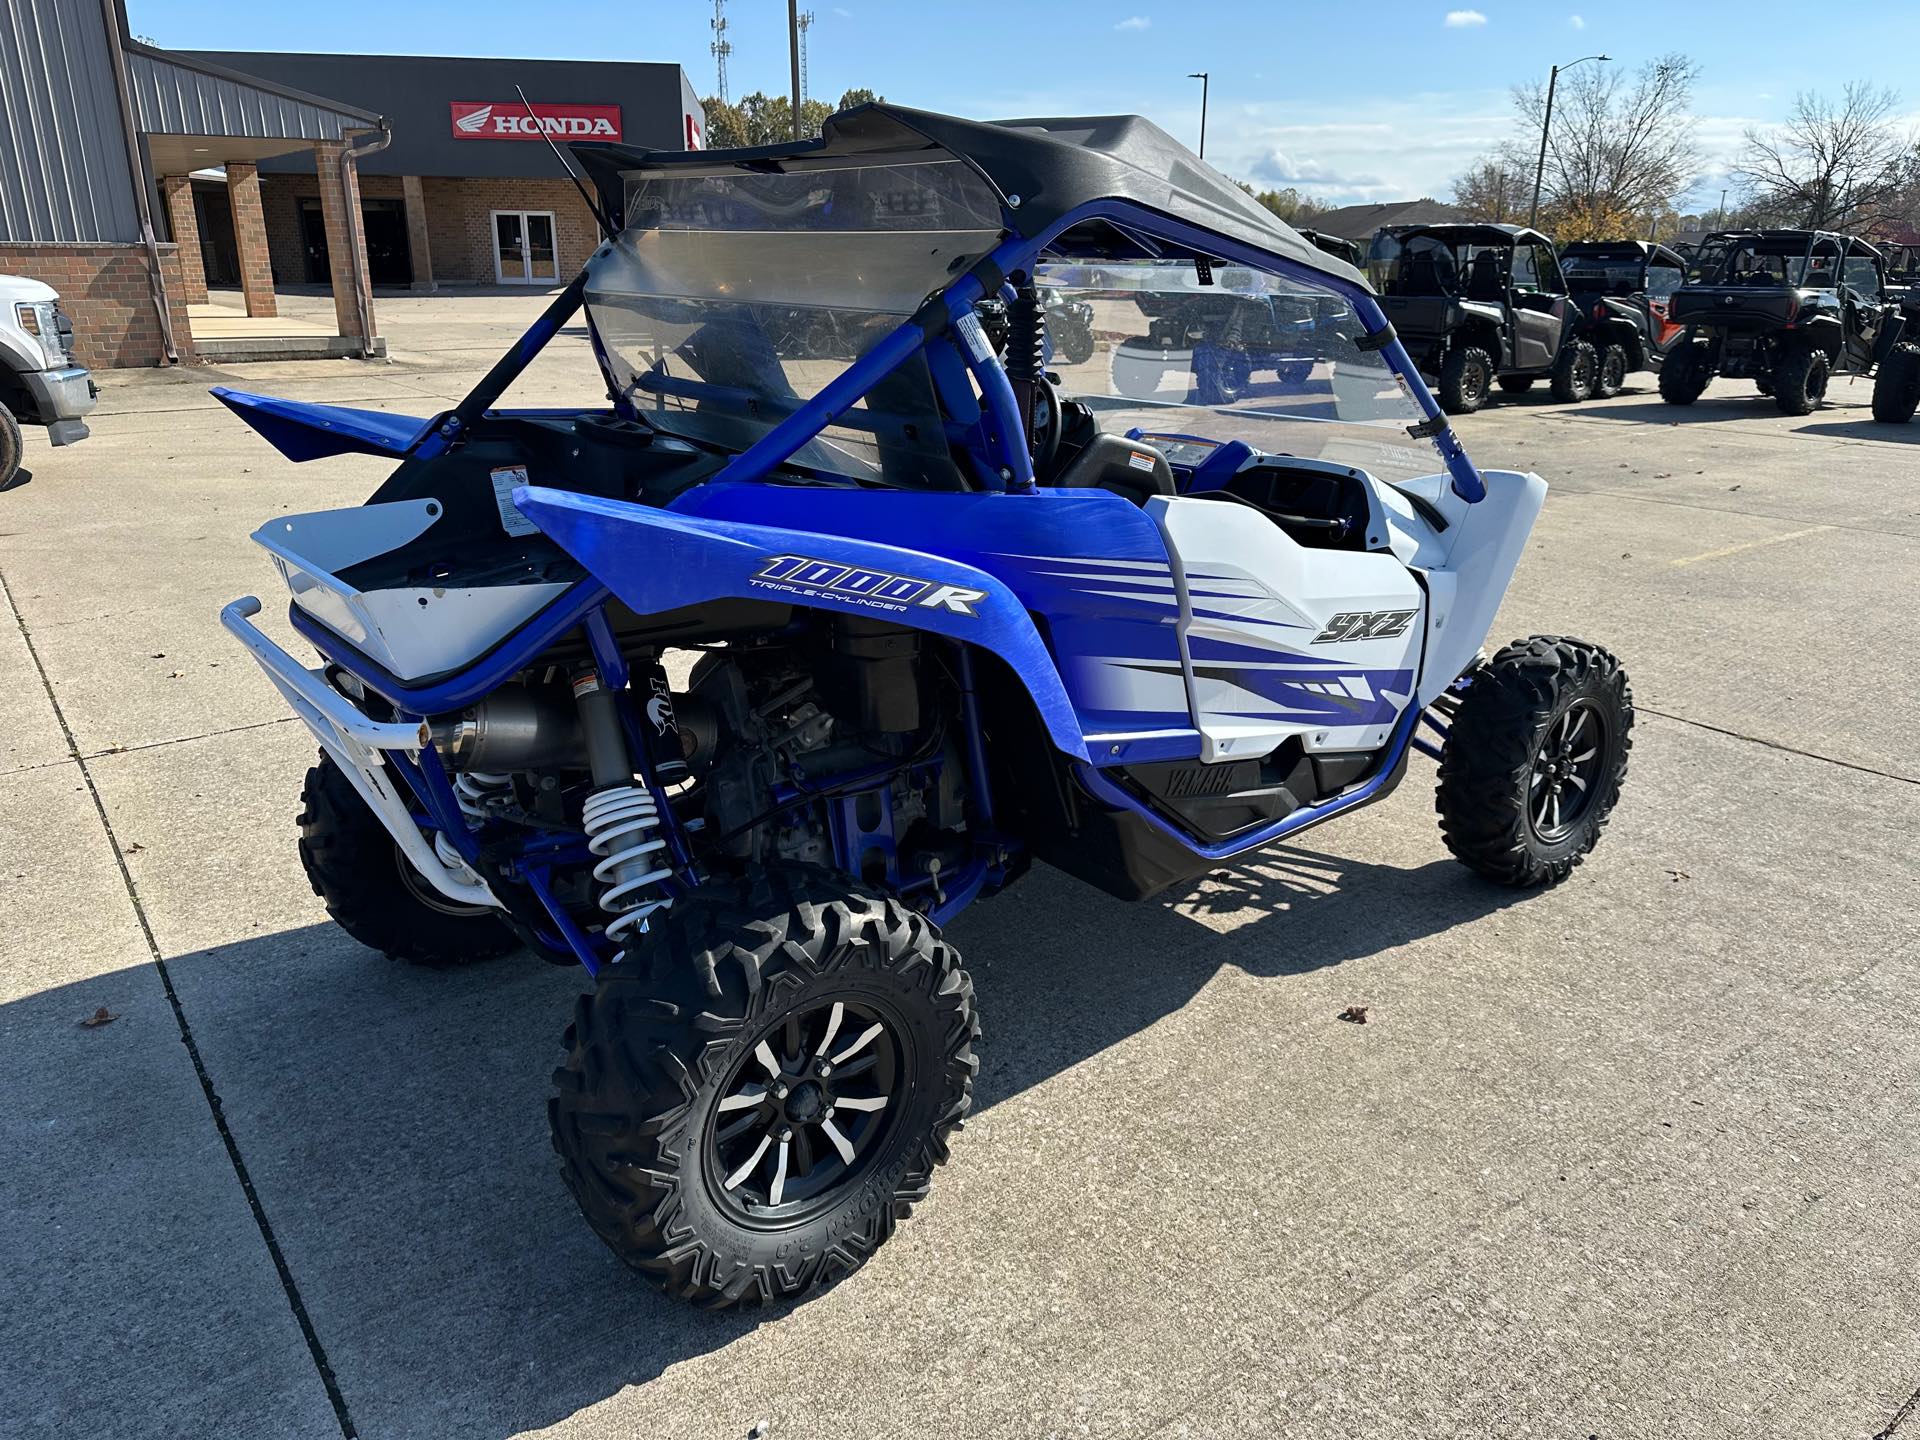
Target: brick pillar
346 234
185 227
417 248
250 237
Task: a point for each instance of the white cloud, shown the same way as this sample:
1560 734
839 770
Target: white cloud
1578 22
844 14
1464 19
1135 22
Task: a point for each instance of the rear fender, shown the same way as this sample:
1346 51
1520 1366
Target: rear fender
301 431
657 560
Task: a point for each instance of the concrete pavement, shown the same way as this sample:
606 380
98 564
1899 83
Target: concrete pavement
1631 1158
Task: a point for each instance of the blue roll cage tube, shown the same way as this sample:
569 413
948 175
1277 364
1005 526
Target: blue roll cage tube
1010 468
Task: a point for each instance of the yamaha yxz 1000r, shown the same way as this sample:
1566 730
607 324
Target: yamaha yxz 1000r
735 690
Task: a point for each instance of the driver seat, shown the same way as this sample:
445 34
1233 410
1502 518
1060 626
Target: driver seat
1484 283
1131 469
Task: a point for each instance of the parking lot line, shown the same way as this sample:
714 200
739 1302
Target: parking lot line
1725 550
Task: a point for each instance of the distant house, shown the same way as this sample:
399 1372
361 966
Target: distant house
1358 222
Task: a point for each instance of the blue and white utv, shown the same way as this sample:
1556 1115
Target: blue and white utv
952 604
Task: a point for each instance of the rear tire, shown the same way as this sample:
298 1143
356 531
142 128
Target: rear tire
668 1113
1613 372
1896 389
1800 381
1684 376
12 447
371 891
1466 379
1534 760
1517 384
1574 371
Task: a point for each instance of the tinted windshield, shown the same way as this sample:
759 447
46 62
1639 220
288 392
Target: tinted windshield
1617 274
732 296
1256 357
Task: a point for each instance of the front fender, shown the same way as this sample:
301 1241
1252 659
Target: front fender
658 560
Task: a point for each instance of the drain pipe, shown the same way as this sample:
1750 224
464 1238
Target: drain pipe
350 156
156 280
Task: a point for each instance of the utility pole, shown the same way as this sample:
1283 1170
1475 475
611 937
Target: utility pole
721 47
793 57
1202 77
1546 126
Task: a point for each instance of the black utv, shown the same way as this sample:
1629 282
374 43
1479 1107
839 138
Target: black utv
1477 304
1896 388
1621 293
1787 309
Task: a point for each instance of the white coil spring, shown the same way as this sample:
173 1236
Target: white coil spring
476 790
619 821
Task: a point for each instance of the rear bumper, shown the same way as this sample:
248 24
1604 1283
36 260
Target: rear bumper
357 744
60 398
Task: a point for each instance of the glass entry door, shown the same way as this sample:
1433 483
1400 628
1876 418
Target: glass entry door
523 249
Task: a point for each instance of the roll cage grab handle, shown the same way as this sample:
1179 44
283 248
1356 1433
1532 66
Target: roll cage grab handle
951 309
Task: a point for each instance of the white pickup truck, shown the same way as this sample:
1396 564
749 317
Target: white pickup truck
39 383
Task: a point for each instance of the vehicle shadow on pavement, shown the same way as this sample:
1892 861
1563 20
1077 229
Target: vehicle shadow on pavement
393 1118
1908 434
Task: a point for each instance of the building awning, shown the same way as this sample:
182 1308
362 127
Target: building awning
195 114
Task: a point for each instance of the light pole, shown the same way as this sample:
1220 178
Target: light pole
1546 124
1201 76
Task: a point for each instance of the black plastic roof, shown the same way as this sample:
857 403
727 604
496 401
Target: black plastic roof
1799 237
1644 249
1474 232
1050 166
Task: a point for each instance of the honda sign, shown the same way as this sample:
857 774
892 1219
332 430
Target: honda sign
510 120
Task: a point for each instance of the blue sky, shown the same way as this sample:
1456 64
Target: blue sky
1354 102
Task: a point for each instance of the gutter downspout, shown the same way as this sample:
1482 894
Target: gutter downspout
362 286
156 281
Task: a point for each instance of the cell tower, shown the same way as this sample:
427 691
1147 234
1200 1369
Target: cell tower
721 47
805 23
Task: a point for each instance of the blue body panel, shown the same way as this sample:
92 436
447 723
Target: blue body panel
1090 564
658 560
301 431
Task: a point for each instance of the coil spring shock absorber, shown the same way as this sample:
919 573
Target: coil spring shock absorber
620 817
1026 365
478 791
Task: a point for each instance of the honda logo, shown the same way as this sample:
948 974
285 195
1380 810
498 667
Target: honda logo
511 120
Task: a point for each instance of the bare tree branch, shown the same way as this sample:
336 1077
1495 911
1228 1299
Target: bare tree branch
1843 166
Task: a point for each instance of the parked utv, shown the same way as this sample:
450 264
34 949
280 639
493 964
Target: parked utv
1475 304
1896 385
1787 309
1621 292
1346 250
948 612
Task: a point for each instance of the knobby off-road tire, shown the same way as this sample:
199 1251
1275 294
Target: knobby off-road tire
1466 379
1517 384
1612 379
673 1063
12 447
1896 389
371 891
1546 711
1684 376
1800 381
1574 371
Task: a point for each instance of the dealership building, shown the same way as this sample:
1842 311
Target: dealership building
166 194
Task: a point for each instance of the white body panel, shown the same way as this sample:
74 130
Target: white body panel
411 631
1269 636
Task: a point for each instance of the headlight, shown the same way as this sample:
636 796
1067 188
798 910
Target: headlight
39 319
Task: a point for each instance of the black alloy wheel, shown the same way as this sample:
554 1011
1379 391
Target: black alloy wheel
804 1112
1566 771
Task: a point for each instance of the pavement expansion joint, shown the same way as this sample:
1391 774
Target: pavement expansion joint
287 1283
1778 745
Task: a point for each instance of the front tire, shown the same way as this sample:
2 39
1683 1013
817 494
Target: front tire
1896 389
694 1125
1466 379
1613 372
12 447
374 894
1800 381
1534 760
1573 372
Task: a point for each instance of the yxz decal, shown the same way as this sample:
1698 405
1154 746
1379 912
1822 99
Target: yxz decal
870 589
1365 625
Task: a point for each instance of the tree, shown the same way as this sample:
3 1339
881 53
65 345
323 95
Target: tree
1621 148
1842 166
1289 204
1494 189
726 126
858 97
